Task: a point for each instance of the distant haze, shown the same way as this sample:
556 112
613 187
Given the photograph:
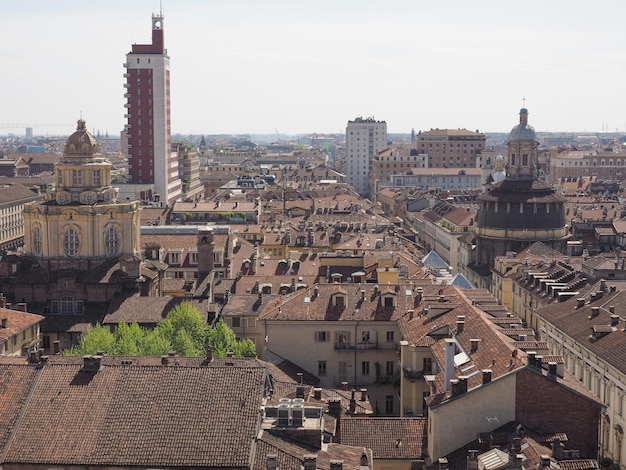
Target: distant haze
289 67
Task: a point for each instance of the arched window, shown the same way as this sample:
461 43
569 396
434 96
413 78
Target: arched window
111 241
37 241
71 243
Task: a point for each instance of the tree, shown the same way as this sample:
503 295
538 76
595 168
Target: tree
99 338
183 330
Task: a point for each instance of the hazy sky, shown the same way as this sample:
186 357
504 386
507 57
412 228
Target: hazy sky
289 66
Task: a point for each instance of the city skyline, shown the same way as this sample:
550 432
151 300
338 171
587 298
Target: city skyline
247 67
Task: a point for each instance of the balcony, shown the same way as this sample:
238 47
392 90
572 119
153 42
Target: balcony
412 375
127 95
126 75
127 116
363 346
127 105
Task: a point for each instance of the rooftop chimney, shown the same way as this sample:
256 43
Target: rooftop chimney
334 407
460 324
450 349
92 363
595 311
614 319
56 347
486 376
443 463
4 322
612 308
272 462
580 302
363 394
317 393
552 370
474 344
336 465
417 464
310 462
472 459
299 392
532 362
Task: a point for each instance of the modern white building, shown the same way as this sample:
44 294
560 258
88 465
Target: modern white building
153 166
365 137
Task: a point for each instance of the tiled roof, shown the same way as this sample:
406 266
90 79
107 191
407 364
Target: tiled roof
290 453
132 415
494 350
577 323
363 302
136 308
17 322
389 438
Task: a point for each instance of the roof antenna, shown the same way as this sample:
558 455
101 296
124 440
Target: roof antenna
523 102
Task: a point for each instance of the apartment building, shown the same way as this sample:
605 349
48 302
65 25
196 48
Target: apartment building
365 138
451 148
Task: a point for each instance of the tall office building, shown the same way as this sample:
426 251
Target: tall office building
153 165
364 139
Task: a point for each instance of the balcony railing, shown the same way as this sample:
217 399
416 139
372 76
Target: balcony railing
364 345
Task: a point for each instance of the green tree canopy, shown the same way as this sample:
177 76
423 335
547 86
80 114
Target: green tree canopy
183 330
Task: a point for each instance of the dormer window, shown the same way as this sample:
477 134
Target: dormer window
388 301
339 300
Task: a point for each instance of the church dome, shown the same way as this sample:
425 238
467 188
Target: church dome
81 142
523 132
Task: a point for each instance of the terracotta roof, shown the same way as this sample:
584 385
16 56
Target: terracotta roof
305 304
389 438
131 415
17 322
136 308
577 323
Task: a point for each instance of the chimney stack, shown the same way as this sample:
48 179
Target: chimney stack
612 308
336 465
486 376
580 302
56 347
472 459
310 462
4 322
363 394
92 363
460 324
532 361
299 392
552 371
450 350
418 465
595 311
352 409
272 462
334 407
22 307
614 319
443 463
317 393
474 344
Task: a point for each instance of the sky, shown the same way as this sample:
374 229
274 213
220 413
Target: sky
295 66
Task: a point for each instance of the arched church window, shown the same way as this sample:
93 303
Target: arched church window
111 241
37 241
71 243
512 159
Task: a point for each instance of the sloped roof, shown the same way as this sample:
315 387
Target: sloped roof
389 438
460 281
142 416
433 260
